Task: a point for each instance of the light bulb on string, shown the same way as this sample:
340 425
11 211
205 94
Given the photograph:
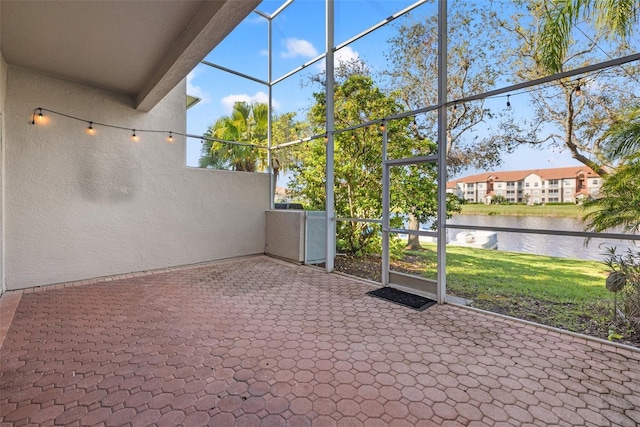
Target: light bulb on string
170 138
508 102
326 138
382 127
90 129
40 116
578 89
415 124
455 107
134 137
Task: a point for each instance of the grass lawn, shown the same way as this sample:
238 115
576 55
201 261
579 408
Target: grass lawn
572 211
564 293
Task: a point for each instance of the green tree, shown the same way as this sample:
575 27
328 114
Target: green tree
413 68
571 114
247 123
358 164
413 59
618 204
623 136
612 18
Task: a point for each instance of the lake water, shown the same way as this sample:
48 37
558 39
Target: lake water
542 244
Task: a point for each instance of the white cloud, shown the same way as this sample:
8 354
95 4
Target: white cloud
194 90
343 56
261 97
298 47
264 52
346 55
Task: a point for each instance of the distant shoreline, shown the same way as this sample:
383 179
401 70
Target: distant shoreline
555 211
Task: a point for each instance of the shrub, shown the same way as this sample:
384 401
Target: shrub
624 279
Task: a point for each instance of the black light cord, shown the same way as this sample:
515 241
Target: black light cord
38 112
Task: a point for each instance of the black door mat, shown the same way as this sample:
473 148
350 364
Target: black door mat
403 298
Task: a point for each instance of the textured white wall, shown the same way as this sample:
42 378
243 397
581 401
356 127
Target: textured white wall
284 232
80 206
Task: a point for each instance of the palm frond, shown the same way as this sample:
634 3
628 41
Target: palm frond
623 137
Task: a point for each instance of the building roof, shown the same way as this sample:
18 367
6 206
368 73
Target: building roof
544 174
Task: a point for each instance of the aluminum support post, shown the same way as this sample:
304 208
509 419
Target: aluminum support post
272 178
329 87
386 197
442 152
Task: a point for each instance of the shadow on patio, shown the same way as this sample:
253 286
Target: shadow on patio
256 341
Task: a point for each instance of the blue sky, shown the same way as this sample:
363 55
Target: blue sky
298 36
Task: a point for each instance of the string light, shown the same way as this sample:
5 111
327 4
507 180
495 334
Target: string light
578 89
40 116
415 124
455 107
508 102
326 138
382 127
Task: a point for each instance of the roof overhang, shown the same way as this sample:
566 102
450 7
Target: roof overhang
139 48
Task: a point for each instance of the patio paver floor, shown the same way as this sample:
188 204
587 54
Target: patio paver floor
258 342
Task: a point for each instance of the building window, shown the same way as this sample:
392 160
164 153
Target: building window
535 184
566 182
536 192
469 185
595 182
567 191
499 185
526 184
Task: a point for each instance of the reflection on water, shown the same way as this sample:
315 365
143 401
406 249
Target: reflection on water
542 244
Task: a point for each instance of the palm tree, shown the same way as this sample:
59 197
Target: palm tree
619 201
623 137
612 17
247 123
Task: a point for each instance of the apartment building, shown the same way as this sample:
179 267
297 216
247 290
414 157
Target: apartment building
566 185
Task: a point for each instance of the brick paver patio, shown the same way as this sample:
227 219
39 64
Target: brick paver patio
258 342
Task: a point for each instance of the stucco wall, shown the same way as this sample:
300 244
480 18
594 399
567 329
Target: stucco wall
285 234
80 206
